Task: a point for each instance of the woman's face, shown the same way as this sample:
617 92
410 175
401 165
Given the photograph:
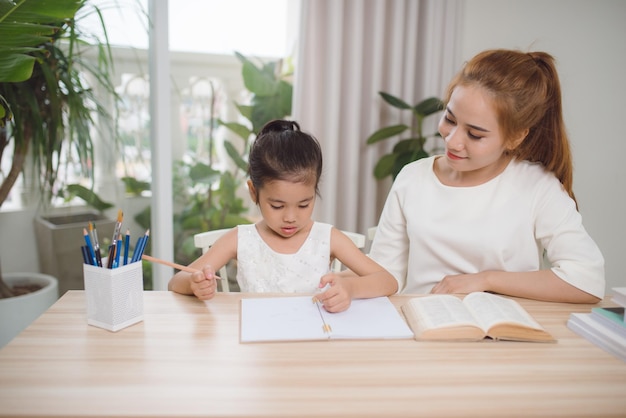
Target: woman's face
471 132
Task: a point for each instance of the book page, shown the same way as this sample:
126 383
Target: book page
490 309
442 311
441 317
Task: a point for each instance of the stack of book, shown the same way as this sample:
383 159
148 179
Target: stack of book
605 327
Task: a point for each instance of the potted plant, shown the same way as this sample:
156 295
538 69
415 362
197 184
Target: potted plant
207 198
214 202
31 295
47 109
407 149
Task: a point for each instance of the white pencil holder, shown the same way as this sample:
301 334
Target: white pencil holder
114 296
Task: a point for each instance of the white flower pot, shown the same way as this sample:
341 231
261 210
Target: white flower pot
18 312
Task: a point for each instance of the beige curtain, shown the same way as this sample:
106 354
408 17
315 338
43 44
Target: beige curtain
348 51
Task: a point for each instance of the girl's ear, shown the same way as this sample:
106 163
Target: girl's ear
518 140
253 192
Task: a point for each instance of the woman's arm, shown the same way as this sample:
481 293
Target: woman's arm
575 272
539 285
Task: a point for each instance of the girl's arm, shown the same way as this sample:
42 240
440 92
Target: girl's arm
202 283
370 279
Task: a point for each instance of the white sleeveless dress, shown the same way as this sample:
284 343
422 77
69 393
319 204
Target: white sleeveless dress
261 269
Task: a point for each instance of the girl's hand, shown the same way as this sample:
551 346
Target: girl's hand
461 283
203 283
337 297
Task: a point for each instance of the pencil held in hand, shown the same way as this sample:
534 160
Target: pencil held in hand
174 265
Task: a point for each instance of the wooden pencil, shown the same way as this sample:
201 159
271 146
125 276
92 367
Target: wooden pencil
170 264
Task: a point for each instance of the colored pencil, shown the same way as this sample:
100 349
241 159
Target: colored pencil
126 244
92 254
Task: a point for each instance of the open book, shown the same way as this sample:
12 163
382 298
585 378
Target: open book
477 316
299 318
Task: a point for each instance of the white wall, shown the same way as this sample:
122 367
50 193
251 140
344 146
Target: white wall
588 40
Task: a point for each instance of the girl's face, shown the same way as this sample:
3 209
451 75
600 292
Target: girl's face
474 146
286 206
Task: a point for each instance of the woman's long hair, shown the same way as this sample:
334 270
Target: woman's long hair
526 94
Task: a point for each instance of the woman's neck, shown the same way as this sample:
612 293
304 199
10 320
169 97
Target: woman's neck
449 176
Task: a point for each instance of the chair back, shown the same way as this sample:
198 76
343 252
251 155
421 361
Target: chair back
204 241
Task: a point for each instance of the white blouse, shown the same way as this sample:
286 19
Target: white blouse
428 230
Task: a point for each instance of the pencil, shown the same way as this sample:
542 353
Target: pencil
111 256
96 243
170 264
92 254
126 244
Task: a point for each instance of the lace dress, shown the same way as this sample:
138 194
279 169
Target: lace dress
261 269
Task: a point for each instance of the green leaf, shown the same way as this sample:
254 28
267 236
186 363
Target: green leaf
394 101
285 92
408 145
259 82
265 110
202 173
28 24
16 68
89 196
135 187
241 130
384 166
428 106
385 133
234 155
245 110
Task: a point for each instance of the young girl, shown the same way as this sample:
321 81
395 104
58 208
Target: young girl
482 216
287 251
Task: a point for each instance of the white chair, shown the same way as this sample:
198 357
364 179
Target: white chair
204 241
359 241
371 231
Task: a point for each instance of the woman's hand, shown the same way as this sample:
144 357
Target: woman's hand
461 283
338 294
203 283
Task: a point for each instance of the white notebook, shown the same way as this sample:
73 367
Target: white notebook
298 318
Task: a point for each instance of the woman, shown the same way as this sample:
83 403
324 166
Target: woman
485 215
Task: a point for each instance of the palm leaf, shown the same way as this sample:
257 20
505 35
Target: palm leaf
24 25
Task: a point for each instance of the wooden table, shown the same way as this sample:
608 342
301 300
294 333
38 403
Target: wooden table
185 359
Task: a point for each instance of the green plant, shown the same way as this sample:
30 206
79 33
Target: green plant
410 148
48 110
209 198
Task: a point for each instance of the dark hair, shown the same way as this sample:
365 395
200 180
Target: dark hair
282 151
526 94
